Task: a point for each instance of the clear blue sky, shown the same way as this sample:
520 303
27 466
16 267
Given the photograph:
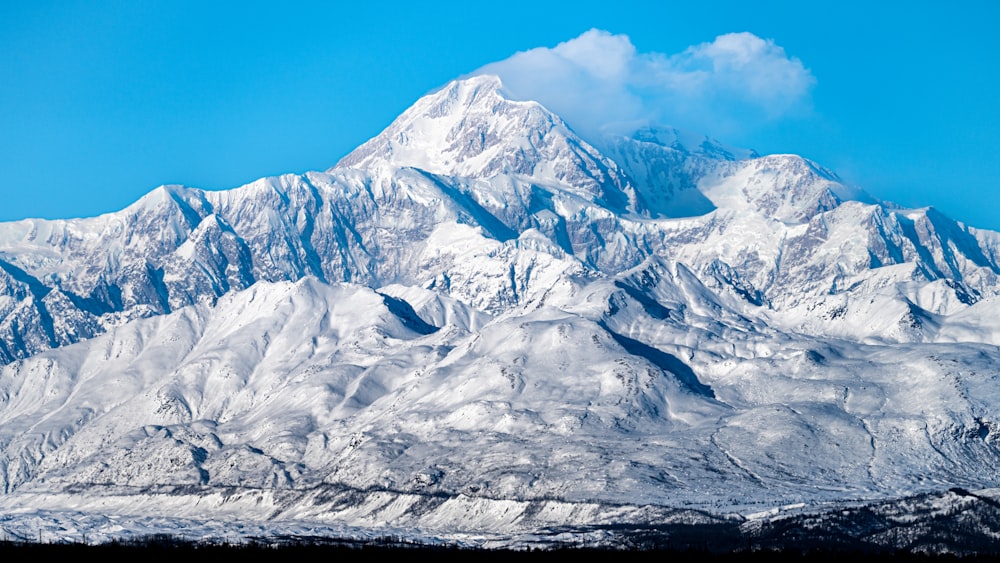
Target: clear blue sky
102 101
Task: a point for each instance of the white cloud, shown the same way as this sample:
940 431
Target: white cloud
598 80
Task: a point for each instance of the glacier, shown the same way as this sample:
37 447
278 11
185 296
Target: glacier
481 326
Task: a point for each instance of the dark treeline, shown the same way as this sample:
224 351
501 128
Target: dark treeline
165 548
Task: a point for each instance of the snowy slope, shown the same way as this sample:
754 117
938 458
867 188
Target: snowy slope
479 322
642 389
779 230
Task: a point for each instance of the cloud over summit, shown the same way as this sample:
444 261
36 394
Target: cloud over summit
600 81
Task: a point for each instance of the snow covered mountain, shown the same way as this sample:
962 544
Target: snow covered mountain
479 322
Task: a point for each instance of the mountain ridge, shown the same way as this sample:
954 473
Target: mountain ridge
479 304
231 249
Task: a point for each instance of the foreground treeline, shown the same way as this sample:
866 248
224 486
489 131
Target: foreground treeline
163 548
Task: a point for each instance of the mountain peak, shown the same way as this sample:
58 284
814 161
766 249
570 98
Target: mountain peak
470 128
451 130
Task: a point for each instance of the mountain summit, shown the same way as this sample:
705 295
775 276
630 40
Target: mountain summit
472 129
480 324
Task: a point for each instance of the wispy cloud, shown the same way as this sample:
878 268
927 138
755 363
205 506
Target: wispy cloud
599 81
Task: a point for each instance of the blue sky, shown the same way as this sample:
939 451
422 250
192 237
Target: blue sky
102 101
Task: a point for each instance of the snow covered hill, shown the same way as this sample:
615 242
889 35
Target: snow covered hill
478 322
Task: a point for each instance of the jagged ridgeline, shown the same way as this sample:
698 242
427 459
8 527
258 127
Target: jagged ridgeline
480 322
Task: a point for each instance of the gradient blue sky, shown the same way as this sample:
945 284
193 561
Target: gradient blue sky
102 101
